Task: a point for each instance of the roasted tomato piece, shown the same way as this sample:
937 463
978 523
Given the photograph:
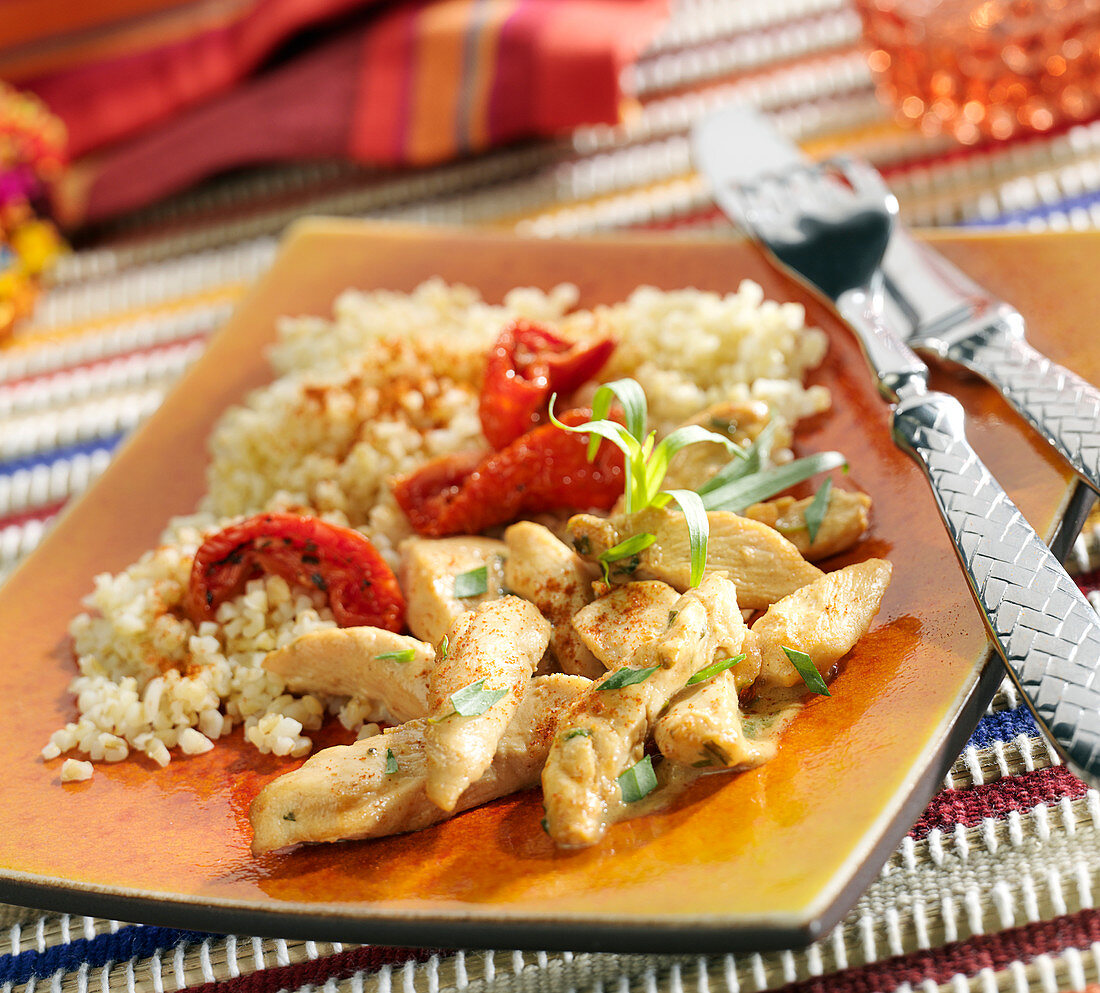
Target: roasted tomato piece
545 469
527 364
361 587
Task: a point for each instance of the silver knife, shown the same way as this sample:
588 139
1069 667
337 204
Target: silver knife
937 307
1043 627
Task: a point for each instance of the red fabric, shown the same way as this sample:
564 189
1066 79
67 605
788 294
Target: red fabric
102 102
401 83
996 799
966 958
368 958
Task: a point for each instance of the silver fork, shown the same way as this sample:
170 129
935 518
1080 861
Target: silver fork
831 224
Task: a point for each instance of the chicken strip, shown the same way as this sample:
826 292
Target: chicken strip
762 564
845 522
603 733
702 726
824 620
616 625
376 786
385 672
429 567
475 689
544 570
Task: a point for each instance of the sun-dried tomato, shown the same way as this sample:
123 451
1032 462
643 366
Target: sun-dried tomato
526 365
545 469
361 587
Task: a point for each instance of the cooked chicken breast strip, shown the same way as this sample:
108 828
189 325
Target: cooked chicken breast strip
497 647
345 792
352 662
616 625
603 733
762 564
427 576
845 522
543 569
824 620
702 726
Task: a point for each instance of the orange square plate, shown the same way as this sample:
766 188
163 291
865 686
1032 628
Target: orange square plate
765 858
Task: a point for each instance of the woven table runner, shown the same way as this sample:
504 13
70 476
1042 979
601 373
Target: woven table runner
994 888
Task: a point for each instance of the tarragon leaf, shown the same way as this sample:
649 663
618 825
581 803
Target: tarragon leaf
755 457
627 677
818 508
631 397
472 700
737 494
689 434
472 583
624 549
807 670
698 526
713 669
404 655
638 781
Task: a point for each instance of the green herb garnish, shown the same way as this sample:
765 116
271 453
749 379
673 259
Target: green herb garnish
391 762
638 781
733 490
444 647
646 461
472 700
472 583
818 508
627 677
807 670
404 655
625 549
289 816
576 733
714 668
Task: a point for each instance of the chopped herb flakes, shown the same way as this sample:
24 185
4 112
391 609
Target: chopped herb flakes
627 677
472 583
404 655
638 781
289 816
818 508
714 668
576 733
391 762
807 670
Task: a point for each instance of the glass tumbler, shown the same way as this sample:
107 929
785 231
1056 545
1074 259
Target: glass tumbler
981 69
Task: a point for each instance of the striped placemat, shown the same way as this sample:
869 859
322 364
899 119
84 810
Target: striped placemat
995 888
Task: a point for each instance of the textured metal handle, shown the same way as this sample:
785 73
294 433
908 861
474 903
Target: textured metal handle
1059 404
1044 628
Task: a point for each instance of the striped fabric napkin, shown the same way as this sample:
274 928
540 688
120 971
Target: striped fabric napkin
160 98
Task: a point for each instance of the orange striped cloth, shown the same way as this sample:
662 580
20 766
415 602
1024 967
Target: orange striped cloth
157 94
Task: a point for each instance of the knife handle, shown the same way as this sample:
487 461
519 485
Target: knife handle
1042 625
1059 404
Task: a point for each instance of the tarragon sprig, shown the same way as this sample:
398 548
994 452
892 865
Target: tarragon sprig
746 479
646 460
